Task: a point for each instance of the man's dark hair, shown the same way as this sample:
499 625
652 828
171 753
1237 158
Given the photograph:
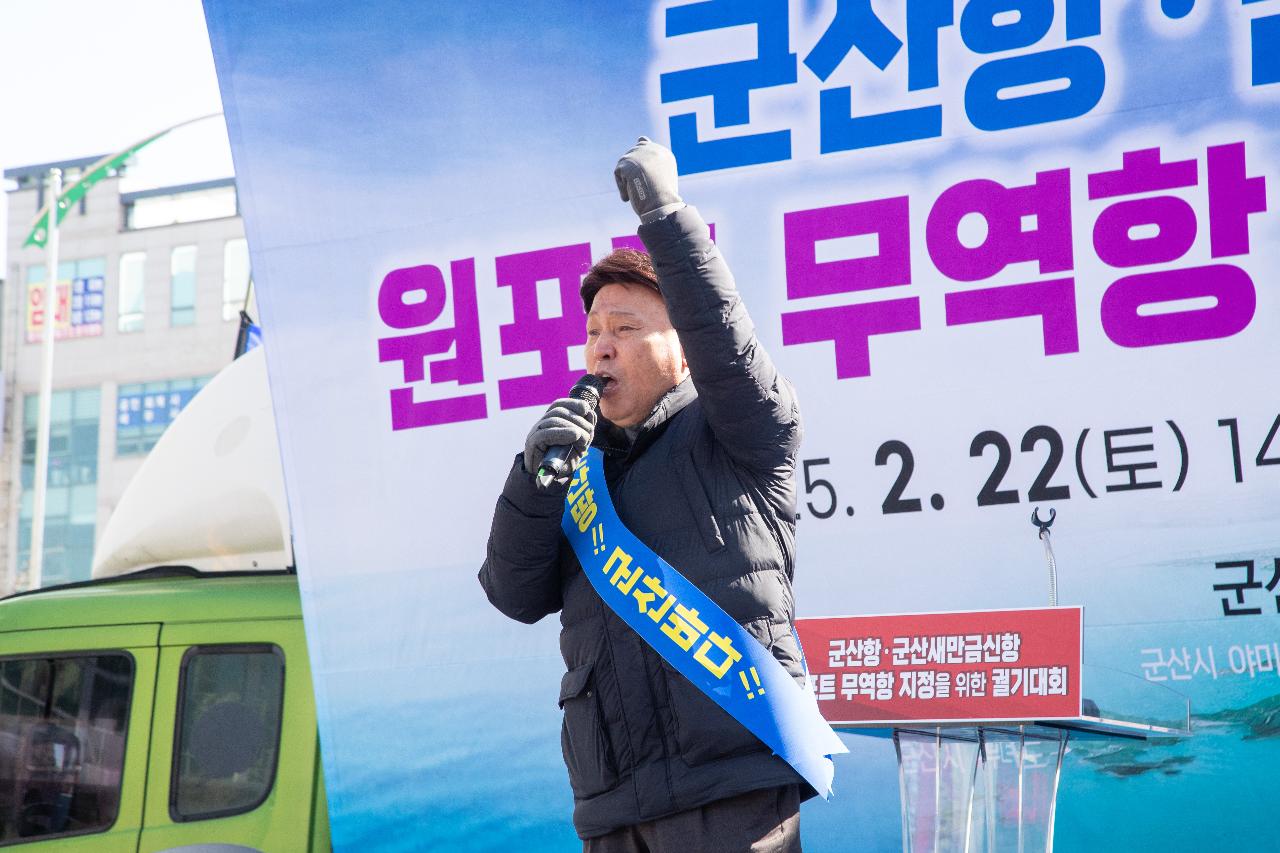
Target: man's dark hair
621 266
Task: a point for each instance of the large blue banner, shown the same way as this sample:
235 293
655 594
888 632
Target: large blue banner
1011 254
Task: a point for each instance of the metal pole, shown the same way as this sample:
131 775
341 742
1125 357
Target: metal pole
1022 767
248 291
50 308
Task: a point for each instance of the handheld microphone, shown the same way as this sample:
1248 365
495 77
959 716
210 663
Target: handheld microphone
555 464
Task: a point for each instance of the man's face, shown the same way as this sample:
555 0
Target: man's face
631 342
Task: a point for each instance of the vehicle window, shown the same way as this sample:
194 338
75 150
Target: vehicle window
228 730
63 722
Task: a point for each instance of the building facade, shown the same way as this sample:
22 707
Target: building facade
150 288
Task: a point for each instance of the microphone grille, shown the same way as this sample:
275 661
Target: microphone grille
588 388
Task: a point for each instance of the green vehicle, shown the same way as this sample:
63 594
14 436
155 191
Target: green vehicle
167 704
167 710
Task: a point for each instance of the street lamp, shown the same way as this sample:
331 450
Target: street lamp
44 232
50 307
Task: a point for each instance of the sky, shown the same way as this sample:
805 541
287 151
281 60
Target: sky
133 67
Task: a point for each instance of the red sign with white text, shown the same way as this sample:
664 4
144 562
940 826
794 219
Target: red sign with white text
981 665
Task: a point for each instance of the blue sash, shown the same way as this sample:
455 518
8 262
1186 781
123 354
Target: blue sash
692 633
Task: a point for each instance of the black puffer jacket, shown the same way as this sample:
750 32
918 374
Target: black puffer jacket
709 485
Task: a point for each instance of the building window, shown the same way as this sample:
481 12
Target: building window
235 278
87 267
228 730
71 500
68 270
144 411
133 267
182 286
193 203
63 722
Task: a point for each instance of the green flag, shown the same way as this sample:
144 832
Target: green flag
99 170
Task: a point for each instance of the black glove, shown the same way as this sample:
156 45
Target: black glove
646 176
569 421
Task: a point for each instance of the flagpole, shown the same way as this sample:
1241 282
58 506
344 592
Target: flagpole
49 321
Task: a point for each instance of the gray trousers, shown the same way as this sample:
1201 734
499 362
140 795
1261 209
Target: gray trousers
764 821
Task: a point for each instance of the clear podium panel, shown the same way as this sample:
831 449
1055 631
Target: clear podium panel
936 776
979 788
1016 789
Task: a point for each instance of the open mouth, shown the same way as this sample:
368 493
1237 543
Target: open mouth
609 393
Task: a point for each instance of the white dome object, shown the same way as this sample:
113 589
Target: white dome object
211 493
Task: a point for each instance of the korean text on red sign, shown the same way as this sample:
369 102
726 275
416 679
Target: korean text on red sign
976 666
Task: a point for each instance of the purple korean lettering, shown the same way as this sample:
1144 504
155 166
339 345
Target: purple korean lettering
550 337
886 218
1053 301
1048 242
1004 209
1232 197
1173 217
1134 309
426 284
1127 320
850 327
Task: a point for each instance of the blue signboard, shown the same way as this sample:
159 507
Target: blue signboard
151 409
87 301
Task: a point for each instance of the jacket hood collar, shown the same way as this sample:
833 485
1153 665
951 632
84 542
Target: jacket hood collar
613 439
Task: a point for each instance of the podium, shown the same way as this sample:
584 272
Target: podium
971 778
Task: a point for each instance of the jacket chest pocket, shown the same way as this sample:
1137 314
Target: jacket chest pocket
587 753
699 504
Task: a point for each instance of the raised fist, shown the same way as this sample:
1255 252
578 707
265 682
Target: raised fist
646 177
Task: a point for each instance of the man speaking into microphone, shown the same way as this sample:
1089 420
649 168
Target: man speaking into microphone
697 432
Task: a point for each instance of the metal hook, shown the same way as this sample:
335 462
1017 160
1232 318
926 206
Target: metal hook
1043 525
